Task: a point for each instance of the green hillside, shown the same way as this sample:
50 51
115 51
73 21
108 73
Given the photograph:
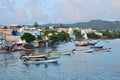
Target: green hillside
95 24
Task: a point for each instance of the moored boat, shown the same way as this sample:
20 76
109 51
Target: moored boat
32 56
41 60
80 44
83 51
38 58
103 50
61 53
96 47
86 43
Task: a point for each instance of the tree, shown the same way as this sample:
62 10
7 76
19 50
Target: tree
114 34
107 33
77 34
36 25
39 37
54 37
5 27
18 26
118 35
28 37
46 32
63 36
93 36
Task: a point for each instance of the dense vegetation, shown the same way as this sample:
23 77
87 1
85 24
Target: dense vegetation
28 37
111 34
77 34
95 24
93 36
61 36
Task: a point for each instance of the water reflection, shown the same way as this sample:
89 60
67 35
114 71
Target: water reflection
7 59
89 66
46 65
54 48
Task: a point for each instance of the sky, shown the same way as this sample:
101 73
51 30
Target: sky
57 11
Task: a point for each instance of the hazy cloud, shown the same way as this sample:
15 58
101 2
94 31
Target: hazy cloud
57 11
36 13
79 10
114 7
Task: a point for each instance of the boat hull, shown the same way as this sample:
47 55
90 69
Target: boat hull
61 53
104 50
96 47
83 51
51 60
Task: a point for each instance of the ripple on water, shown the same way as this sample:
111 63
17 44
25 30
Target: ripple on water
90 66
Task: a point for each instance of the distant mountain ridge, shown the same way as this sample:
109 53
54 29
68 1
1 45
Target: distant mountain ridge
95 24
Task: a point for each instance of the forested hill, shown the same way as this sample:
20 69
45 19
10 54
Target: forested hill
95 24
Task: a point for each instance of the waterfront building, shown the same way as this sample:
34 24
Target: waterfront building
62 29
83 32
6 31
70 31
88 30
51 27
13 25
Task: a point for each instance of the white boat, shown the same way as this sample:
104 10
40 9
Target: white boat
33 56
103 50
38 58
83 51
61 53
38 61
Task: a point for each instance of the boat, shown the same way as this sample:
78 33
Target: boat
32 56
61 53
41 60
103 50
80 44
86 43
96 47
35 59
92 43
83 51
4 51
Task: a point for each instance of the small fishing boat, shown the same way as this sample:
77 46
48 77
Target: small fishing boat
4 51
96 47
103 50
83 51
33 56
80 44
41 60
85 44
38 58
92 43
61 53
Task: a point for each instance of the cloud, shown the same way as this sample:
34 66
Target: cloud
11 12
16 12
57 11
114 7
78 10
35 10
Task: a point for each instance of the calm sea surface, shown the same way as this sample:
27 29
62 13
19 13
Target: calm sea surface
82 66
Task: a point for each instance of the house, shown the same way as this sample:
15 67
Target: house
6 31
70 31
36 32
62 29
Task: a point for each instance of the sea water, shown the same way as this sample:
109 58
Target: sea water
81 66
